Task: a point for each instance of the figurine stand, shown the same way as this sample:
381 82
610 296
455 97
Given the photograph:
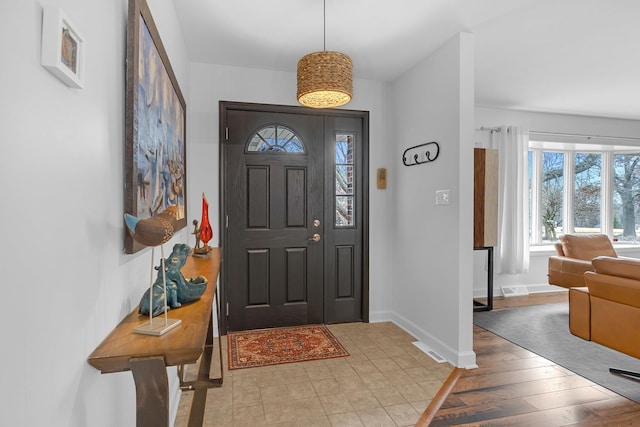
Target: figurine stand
159 327
202 252
199 251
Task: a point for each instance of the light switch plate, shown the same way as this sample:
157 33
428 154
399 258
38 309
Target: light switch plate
443 197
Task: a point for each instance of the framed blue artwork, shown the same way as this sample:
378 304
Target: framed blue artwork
155 146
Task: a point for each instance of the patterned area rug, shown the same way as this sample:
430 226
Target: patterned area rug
262 347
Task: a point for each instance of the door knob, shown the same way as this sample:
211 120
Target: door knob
315 238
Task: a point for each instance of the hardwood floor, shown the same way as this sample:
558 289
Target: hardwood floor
514 387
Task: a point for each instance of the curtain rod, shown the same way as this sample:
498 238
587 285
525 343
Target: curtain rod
489 129
575 135
581 135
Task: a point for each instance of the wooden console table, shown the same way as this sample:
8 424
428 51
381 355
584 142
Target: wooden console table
148 356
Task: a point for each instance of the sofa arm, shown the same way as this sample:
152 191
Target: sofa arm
613 288
570 265
568 272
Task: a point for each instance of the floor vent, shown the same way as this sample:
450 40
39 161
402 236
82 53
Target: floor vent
514 291
432 354
535 289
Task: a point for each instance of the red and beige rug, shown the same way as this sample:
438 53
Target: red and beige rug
263 347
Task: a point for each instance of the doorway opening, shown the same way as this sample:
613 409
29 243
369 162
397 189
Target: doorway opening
294 216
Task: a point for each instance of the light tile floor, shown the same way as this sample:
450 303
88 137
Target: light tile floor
386 381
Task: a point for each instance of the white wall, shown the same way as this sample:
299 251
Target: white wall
432 287
66 281
542 122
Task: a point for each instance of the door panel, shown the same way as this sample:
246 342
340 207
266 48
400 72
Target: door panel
296 197
258 196
258 273
275 273
344 272
296 275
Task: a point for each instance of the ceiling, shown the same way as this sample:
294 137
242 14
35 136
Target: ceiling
562 56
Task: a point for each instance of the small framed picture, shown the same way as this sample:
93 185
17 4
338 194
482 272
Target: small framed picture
62 47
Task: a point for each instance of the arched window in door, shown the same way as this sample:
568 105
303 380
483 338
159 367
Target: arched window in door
275 138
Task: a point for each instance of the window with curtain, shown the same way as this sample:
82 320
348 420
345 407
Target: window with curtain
581 188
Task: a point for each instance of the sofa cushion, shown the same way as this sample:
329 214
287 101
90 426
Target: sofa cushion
586 246
618 266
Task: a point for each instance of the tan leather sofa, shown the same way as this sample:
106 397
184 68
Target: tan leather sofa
614 304
573 258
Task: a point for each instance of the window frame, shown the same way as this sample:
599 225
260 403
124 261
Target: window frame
276 126
537 148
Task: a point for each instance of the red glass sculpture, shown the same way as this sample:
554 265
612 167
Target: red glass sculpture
205 228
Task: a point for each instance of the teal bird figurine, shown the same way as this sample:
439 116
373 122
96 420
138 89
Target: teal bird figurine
153 231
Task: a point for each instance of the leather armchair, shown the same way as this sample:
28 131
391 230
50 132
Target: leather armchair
573 258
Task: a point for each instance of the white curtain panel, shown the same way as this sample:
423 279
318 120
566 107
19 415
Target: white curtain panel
512 253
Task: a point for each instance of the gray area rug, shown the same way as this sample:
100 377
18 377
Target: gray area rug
544 330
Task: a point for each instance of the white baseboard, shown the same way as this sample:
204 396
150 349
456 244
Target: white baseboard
465 359
380 316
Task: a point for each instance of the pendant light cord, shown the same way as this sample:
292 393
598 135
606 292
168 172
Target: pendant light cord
324 29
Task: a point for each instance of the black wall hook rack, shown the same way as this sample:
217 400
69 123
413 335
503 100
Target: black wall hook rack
414 155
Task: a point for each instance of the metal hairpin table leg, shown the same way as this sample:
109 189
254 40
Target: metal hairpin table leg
203 381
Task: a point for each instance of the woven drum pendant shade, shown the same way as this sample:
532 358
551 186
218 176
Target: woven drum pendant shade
325 79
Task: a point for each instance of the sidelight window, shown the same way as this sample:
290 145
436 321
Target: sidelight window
275 138
344 180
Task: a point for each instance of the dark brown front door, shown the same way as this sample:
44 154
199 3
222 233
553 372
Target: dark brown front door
293 213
